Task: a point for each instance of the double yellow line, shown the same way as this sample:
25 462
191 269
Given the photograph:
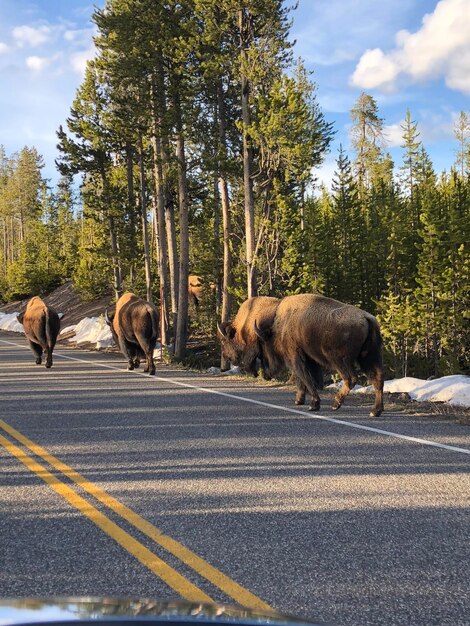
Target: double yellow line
169 575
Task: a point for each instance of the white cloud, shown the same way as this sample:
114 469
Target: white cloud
373 69
3 48
393 134
441 47
432 127
31 36
37 64
79 60
79 35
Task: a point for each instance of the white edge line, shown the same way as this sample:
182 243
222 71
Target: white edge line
304 414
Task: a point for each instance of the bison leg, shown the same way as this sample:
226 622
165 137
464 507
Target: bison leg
48 357
129 350
377 380
375 376
37 351
347 373
300 394
150 365
306 372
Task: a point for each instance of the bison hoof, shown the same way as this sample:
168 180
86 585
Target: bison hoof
130 367
136 364
38 361
375 413
336 406
314 407
299 401
48 365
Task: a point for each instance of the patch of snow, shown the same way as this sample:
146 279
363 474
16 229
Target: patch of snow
68 329
402 385
9 322
233 371
455 390
93 330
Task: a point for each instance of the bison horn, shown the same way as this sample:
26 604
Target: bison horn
109 318
222 330
262 333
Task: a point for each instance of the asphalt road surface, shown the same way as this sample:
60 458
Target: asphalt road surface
206 488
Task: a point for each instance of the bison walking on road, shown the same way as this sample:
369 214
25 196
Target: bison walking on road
41 326
134 324
240 343
310 332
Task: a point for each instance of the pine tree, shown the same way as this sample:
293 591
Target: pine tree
462 135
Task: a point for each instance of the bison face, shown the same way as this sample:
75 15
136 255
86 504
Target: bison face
230 348
241 354
271 363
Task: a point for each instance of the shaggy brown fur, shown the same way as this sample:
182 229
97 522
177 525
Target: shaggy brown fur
41 326
310 332
134 324
240 344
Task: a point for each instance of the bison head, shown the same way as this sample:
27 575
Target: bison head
109 315
272 364
238 352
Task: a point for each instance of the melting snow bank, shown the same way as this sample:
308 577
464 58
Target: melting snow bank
91 330
455 390
9 322
233 371
95 330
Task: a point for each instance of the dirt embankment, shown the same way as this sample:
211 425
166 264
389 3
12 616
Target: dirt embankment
65 300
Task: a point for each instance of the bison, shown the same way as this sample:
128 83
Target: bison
199 290
41 326
310 332
134 325
240 343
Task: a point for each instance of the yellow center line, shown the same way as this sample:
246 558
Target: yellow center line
241 595
170 576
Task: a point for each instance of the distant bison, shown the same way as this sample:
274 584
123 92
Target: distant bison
41 326
134 325
198 289
310 332
240 343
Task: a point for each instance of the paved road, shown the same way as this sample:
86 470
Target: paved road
115 483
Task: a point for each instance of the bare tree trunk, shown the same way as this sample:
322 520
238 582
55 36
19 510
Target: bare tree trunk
115 258
159 212
131 203
182 319
117 275
171 236
226 225
217 247
143 208
245 36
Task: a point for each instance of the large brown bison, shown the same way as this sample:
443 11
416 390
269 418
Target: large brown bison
41 326
310 332
134 325
240 343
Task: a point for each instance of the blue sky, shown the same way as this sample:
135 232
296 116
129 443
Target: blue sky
406 53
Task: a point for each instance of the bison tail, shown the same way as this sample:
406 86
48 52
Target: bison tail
154 321
47 329
370 357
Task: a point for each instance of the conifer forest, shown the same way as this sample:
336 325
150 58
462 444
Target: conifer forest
191 148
